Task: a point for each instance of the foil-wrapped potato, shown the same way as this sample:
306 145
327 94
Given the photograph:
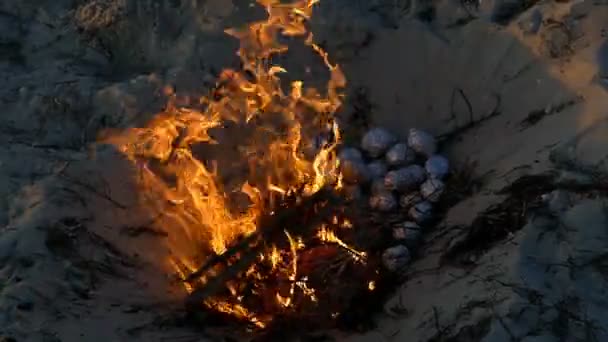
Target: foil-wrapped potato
405 179
383 201
378 187
422 142
354 171
396 258
377 141
377 169
422 212
409 200
350 153
410 233
437 166
400 155
432 189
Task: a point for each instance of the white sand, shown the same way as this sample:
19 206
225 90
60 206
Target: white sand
70 272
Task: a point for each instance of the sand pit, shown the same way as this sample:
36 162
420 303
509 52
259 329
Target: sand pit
514 92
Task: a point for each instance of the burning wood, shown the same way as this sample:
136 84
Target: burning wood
281 238
318 256
314 209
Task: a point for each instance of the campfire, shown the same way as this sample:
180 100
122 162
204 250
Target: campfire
260 198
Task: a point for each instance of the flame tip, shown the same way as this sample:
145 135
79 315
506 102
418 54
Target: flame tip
280 159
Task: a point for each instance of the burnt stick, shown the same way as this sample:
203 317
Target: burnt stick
250 247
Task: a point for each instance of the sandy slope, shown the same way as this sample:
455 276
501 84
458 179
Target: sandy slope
75 267
539 285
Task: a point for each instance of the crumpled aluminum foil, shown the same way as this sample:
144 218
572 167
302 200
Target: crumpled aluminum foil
399 155
437 166
399 233
378 187
405 179
377 141
409 233
409 200
350 153
377 169
432 189
396 258
421 213
422 142
354 171
383 201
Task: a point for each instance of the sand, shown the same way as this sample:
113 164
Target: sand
75 264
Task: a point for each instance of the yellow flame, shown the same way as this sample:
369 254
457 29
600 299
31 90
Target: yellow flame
275 257
237 310
286 301
327 235
278 128
307 291
371 285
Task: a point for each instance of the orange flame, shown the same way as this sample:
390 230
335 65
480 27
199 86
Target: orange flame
278 131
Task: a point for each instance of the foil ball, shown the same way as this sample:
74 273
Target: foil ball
378 187
384 201
399 233
350 153
377 169
409 200
410 233
422 212
376 141
354 172
437 166
400 155
405 179
422 142
432 189
396 258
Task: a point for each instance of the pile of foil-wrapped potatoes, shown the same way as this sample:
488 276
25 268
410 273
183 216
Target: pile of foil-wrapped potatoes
397 176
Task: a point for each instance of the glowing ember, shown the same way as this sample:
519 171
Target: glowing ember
277 149
371 285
